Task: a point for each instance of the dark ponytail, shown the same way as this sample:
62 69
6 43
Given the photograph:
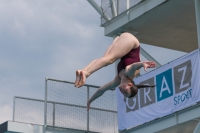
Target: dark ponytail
144 86
134 89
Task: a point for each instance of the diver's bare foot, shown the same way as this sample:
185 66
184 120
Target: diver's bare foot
78 78
83 75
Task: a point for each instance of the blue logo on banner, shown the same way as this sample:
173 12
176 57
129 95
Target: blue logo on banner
164 85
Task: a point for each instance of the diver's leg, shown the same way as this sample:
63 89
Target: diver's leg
121 47
78 72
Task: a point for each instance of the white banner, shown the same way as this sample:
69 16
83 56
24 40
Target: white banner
177 86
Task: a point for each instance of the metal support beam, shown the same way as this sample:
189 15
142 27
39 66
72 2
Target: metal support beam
98 9
113 8
197 129
197 9
149 57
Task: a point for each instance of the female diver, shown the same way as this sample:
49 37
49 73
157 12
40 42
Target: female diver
127 47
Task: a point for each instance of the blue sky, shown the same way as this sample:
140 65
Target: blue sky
53 39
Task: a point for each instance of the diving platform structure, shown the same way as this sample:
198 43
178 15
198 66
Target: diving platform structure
172 24
63 110
184 121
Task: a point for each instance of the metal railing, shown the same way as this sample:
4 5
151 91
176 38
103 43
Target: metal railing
28 110
121 6
66 107
69 107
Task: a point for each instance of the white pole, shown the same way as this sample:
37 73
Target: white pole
197 9
98 9
127 4
113 8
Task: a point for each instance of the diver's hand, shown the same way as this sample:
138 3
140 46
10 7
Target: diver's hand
148 64
88 105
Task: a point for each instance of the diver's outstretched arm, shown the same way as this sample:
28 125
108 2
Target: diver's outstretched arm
130 69
109 86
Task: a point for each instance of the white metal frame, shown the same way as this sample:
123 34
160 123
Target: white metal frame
113 8
130 15
197 9
99 10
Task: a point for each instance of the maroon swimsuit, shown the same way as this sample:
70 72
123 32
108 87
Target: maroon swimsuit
130 58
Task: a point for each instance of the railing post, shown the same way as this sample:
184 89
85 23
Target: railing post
53 114
88 128
13 109
45 106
